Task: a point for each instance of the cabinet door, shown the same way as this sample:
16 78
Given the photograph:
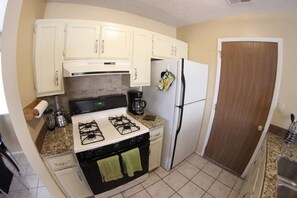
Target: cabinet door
73 183
82 40
181 49
142 49
163 46
48 57
61 161
116 42
155 153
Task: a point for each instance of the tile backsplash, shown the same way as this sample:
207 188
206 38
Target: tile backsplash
88 86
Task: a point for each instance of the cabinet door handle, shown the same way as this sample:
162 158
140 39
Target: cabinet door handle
57 78
135 76
63 163
102 47
79 176
174 51
96 46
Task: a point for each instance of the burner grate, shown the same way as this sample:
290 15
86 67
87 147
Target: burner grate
123 124
90 132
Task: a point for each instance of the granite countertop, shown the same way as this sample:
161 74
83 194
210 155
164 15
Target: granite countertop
61 139
275 147
58 141
149 124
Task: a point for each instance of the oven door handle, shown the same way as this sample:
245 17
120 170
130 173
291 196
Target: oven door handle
141 146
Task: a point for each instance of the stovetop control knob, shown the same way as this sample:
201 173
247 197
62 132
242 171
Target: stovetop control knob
98 152
132 141
140 138
89 154
117 146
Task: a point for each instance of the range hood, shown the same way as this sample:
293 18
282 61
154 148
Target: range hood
95 67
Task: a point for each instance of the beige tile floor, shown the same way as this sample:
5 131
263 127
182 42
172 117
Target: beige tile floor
195 177
36 189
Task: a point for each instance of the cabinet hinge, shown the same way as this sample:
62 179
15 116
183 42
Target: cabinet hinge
220 53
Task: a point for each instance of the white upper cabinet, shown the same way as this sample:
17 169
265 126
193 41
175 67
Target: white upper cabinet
116 42
162 46
48 57
166 47
82 40
58 40
141 64
181 49
94 40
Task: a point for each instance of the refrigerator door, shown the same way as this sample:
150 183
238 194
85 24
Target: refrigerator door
163 104
187 137
196 77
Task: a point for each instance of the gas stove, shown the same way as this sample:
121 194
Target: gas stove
101 128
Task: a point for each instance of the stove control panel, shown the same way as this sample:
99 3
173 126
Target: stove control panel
112 149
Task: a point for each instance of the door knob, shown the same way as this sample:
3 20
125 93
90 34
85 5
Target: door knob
260 128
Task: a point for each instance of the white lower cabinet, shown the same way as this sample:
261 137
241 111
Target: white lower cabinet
68 175
72 182
252 186
156 141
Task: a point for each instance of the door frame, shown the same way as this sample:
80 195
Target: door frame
279 42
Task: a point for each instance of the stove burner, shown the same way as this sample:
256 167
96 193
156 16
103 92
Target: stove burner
88 125
127 127
119 120
123 124
90 132
91 136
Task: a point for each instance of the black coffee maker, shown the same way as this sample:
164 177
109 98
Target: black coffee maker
136 104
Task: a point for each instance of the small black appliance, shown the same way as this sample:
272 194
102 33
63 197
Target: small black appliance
135 103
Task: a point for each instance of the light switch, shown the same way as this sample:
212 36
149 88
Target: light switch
280 107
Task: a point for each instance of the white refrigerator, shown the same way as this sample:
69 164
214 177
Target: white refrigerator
182 107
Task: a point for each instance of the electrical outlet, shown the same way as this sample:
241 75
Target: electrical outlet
280 107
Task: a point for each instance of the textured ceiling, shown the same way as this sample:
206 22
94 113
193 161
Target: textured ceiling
178 13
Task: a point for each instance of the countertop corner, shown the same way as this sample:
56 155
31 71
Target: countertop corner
57 141
149 124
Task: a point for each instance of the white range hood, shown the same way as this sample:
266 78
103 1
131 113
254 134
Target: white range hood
95 67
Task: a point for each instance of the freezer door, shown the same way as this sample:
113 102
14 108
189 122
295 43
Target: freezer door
196 77
187 137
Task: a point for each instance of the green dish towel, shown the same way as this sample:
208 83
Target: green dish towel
110 168
131 161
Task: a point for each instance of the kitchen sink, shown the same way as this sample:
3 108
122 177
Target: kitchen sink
287 170
287 178
286 191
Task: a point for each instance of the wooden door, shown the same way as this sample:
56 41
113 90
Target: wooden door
248 73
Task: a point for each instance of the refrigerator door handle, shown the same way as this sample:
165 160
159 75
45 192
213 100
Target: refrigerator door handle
181 107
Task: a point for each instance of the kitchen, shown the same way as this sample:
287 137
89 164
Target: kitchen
261 25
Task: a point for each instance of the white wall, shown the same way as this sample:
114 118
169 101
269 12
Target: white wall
76 11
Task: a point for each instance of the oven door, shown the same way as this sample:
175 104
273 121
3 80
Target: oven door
93 176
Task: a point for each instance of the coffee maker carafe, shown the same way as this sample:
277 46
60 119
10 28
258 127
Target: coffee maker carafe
136 104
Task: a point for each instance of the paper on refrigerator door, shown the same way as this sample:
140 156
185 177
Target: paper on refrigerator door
165 81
